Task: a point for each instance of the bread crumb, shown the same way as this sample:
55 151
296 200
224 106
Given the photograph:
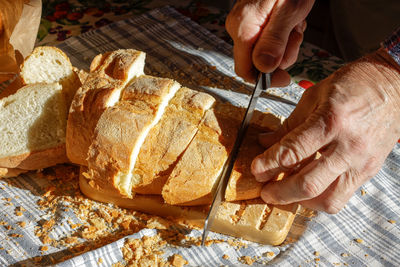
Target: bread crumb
100 261
225 257
363 192
344 255
22 224
317 259
177 260
270 254
46 239
392 221
44 248
316 253
16 235
247 260
358 240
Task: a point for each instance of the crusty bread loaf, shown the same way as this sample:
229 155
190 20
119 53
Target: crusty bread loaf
32 129
192 180
47 64
168 139
110 72
122 129
252 220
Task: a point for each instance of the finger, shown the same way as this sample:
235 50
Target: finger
243 62
335 197
271 45
309 182
300 136
306 105
280 78
293 46
244 23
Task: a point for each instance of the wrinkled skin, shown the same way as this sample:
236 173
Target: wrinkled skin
352 118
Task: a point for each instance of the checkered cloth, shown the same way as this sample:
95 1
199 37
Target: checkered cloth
173 41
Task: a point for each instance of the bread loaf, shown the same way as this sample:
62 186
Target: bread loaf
156 149
109 74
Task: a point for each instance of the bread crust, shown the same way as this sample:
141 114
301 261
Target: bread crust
110 72
36 159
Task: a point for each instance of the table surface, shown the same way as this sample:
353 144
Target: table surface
44 219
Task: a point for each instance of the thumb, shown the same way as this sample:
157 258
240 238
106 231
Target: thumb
272 43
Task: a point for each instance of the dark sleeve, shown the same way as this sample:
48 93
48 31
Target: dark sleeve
392 45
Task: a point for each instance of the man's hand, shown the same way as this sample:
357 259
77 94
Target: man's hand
267 34
352 118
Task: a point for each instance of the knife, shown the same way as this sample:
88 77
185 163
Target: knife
262 84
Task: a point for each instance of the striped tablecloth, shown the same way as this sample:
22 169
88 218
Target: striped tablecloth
365 233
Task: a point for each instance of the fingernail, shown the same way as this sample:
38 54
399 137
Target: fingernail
267 61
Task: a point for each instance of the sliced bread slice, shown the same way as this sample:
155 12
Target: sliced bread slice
242 184
169 138
193 179
32 129
122 129
47 64
110 72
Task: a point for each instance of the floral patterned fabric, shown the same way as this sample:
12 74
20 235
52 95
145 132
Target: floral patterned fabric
62 19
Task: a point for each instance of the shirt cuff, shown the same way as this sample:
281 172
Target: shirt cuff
392 45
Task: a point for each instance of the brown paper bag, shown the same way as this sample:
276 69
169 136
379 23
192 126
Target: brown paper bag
19 24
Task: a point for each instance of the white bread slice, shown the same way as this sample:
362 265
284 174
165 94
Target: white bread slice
193 178
169 138
32 129
122 129
251 220
47 64
110 72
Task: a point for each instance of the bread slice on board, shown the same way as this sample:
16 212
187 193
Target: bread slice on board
193 178
47 64
32 129
122 129
109 74
251 220
169 138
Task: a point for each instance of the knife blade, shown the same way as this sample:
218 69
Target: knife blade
263 82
